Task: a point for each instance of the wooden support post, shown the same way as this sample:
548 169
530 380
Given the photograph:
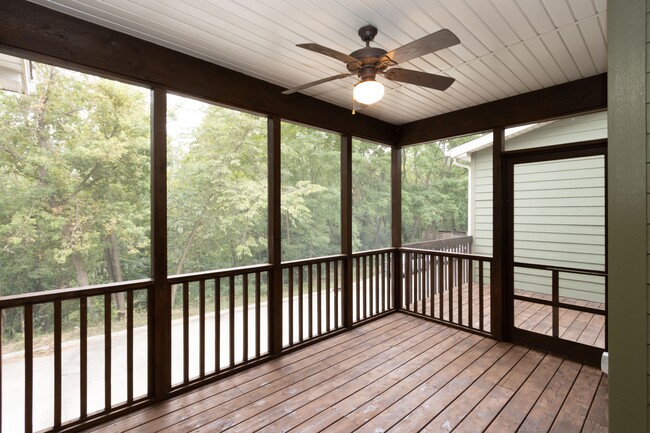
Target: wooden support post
346 226
160 302
396 223
275 233
498 296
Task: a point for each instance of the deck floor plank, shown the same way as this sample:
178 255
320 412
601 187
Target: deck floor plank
222 415
398 373
286 364
325 410
348 375
574 412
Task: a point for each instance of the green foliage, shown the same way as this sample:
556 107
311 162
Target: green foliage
75 173
371 196
217 191
434 191
311 192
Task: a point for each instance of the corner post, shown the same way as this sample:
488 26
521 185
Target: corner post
159 299
396 223
275 234
346 226
498 295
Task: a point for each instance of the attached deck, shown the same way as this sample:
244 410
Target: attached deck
398 373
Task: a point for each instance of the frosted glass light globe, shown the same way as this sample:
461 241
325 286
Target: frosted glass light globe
368 92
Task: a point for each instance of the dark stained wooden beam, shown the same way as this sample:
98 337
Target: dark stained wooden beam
159 299
580 96
501 303
346 227
275 235
396 223
43 34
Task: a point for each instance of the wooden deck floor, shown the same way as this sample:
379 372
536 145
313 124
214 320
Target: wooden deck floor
399 373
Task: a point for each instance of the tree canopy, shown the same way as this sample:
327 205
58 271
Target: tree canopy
75 172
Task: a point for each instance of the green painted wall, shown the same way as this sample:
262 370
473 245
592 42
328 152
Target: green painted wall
627 212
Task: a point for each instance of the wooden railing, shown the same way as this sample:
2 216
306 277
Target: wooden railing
448 287
102 389
312 298
221 323
372 287
232 334
458 244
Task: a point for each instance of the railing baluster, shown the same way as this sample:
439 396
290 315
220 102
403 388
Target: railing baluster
57 364
432 285
441 287
470 294
258 276
336 293
407 277
29 365
480 295
83 357
202 328
245 317
290 321
370 301
357 264
217 324
300 304
129 346
231 317
327 297
364 289
310 301
555 295
389 280
107 352
459 278
377 284
450 290
319 300
186 332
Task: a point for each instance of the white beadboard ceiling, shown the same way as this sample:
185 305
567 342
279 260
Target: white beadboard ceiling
507 47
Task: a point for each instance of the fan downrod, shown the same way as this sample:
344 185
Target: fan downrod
368 33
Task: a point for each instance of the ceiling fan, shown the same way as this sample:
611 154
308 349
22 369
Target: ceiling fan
369 61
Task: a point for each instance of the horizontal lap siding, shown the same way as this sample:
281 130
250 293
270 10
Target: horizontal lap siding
559 210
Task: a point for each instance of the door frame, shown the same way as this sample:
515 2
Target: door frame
573 350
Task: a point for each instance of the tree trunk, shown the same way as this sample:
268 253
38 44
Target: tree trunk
112 257
82 276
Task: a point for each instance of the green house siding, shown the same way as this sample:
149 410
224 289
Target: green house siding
560 218
627 191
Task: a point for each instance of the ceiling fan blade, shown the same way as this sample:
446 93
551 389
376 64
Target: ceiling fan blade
438 82
331 53
428 44
314 83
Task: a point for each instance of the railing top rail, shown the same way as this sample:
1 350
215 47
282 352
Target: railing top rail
441 243
371 252
208 275
19 300
447 254
561 269
312 261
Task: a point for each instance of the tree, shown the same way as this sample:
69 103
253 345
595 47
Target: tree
434 191
74 166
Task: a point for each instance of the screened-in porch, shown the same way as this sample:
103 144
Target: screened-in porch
189 253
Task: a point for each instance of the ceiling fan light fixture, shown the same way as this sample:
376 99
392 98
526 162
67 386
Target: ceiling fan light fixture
368 92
